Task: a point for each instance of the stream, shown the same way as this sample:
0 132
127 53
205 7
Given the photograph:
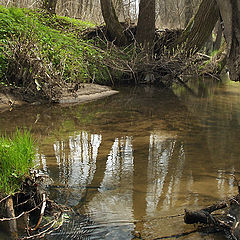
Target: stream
129 164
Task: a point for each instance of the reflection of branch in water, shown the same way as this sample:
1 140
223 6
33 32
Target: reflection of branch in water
186 87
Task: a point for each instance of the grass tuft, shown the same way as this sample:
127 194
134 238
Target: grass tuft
17 154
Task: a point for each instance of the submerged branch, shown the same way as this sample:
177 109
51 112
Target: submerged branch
227 222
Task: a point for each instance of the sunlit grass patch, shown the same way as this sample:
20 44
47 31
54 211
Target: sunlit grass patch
17 154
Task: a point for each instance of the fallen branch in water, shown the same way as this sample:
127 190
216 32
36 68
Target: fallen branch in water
228 222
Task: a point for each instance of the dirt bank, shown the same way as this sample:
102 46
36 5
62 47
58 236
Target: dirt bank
84 93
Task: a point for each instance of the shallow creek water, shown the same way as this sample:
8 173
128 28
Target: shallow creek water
131 161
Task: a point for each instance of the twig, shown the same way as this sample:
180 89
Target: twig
42 212
43 233
213 76
3 199
20 215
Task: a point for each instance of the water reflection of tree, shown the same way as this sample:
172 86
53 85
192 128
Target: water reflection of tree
115 191
163 153
76 160
112 205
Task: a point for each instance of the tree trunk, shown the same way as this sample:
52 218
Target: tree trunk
50 6
114 29
146 24
188 11
218 41
230 13
200 28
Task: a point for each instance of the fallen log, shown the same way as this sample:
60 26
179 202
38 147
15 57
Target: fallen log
228 222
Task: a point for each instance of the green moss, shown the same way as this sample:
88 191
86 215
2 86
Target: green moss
17 155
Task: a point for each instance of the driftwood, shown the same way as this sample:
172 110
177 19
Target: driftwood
229 222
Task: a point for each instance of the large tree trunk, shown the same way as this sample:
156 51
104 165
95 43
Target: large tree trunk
114 28
230 13
146 24
50 6
200 28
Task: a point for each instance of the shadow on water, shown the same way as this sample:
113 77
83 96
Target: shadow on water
130 161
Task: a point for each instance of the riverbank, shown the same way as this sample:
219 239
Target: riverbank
85 93
45 58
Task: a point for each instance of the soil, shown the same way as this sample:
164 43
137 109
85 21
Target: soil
84 93
8 101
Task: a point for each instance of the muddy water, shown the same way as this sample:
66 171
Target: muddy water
132 161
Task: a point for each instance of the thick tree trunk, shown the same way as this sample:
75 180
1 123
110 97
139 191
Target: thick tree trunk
146 24
114 28
230 13
200 28
50 6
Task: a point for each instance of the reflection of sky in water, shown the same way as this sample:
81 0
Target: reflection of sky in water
119 166
222 179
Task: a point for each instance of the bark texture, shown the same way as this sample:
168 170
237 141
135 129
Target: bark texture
114 29
230 13
200 28
146 23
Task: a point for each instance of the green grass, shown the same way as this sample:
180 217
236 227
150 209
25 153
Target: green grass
58 43
17 154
